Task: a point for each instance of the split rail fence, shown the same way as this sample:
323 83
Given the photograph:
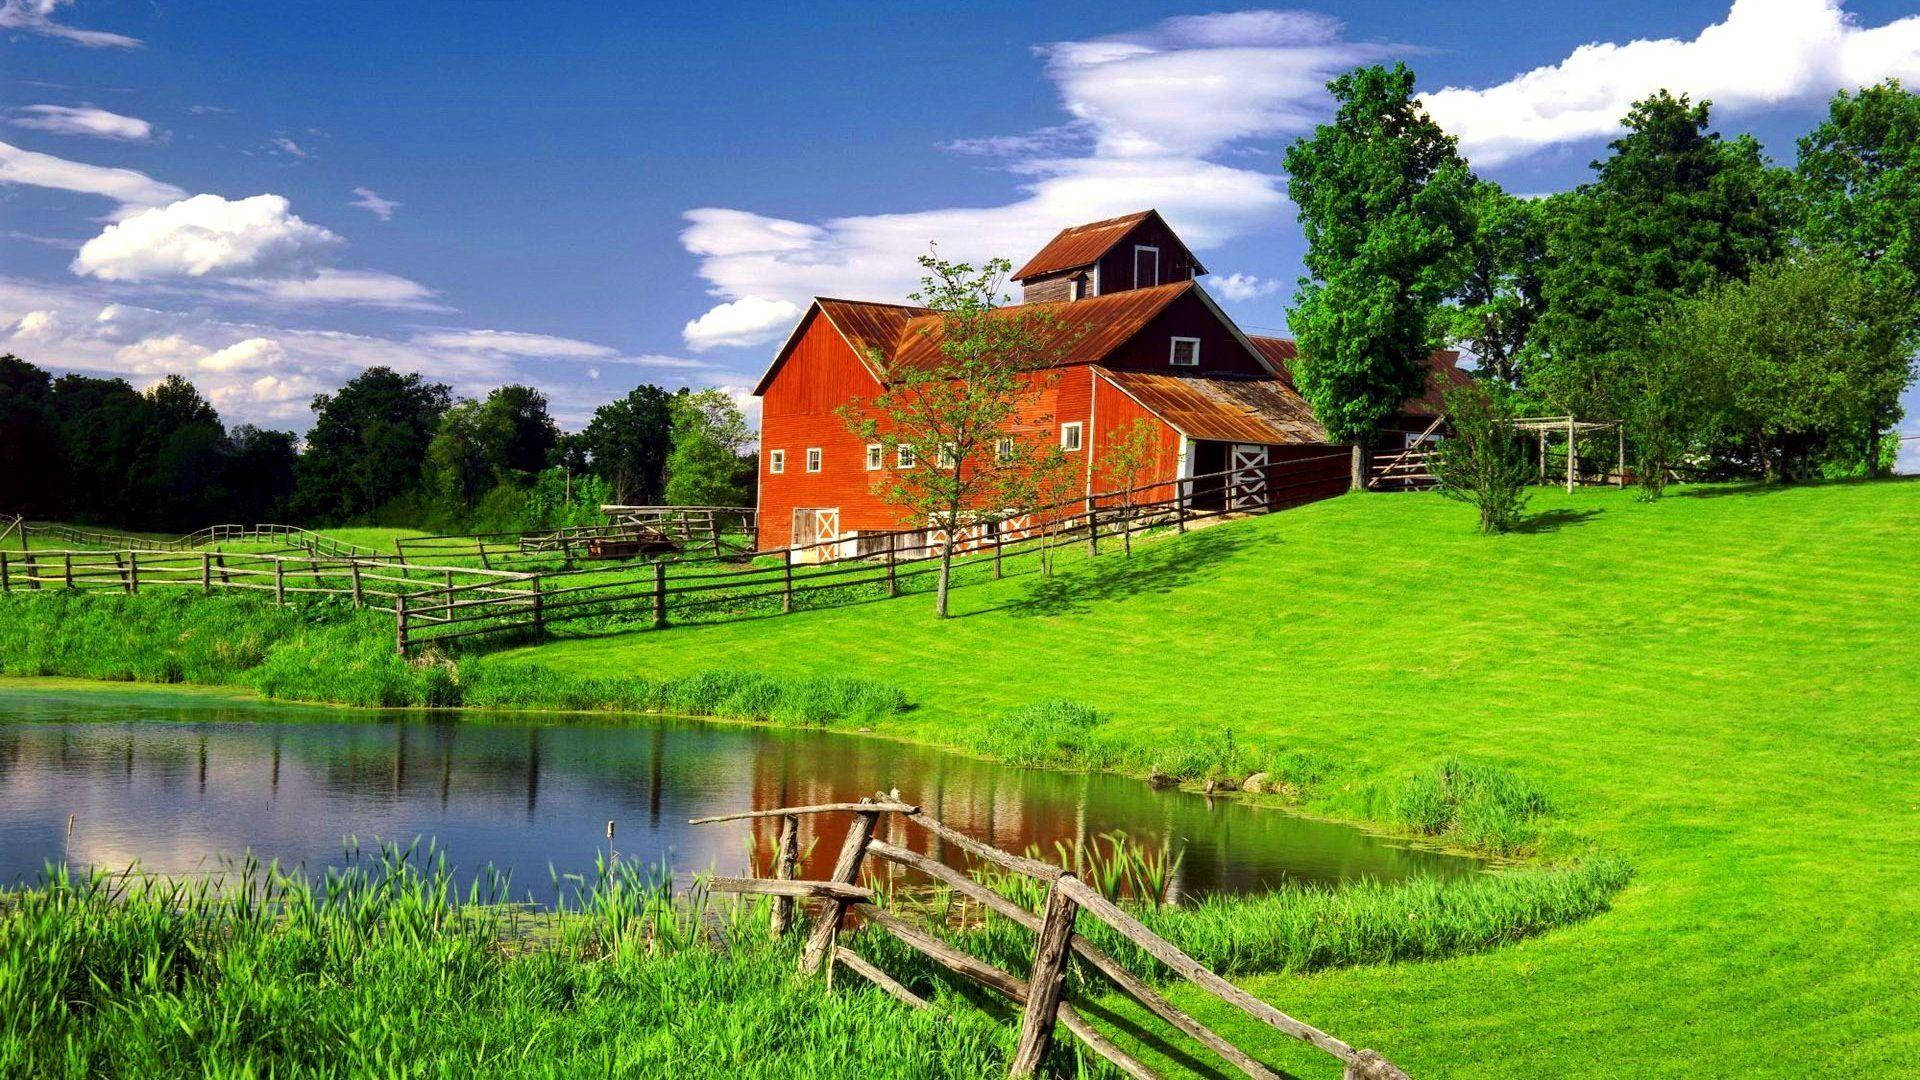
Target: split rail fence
437 604
1042 994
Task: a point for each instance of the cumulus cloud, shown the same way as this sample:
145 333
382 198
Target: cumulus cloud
1243 286
369 200
207 235
126 186
750 320
36 17
1150 111
81 120
1765 53
37 324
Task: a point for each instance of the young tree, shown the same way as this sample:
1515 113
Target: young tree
957 413
709 457
1671 390
1054 480
1383 198
367 445
1124 460
1484 461
1672 210
628 442
1499 298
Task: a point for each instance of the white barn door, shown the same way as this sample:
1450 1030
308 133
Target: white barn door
815 526
1247 483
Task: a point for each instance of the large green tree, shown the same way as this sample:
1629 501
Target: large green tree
1673 210
1383 197
1499 297
32 482
709 463
367 444
627 444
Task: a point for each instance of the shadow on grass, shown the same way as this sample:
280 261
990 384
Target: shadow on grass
1161 1042
1554 520
1160 567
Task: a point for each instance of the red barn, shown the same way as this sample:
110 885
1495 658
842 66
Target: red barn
1147 343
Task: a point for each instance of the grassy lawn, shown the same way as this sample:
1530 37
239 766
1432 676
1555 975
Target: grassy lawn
1720 686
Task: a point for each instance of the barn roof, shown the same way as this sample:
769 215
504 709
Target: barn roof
1079 331
1083 245
1222 409
1445 375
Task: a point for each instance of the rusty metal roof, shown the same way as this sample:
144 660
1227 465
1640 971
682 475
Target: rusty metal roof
1278 353
1082 245
868 326
1445 374
1247 410
1072 331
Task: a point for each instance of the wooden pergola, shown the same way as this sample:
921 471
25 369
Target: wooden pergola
1545 426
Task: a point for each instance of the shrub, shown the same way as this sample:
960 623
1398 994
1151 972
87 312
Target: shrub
1484 461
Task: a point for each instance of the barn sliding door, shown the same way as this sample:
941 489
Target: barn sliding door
1247 483
811 526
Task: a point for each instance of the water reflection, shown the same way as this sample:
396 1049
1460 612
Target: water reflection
174 784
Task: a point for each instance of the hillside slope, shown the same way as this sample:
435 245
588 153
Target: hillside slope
1722 686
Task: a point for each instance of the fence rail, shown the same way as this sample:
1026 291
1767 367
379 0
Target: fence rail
1042 995
291 536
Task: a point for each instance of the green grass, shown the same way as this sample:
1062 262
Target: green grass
1720 687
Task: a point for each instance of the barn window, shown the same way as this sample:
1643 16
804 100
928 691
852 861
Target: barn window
1146 266
876 457
945 460
813 459
1002 451
903 456
1185 352
776 461
1070 436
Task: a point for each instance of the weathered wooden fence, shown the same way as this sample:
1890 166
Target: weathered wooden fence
1042 994
291 537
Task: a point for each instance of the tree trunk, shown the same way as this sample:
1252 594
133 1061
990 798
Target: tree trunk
946 567
1126 524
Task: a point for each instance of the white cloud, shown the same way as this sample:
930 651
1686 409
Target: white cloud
513 343
370 201
1765 53
81 120
207 235
37 324
288 146
1243 286
130 188
1153 109
369 288
36 17
250 354
750 320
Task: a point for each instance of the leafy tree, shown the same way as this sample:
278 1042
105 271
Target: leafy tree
1500 289
459 467
1671 391
32 482
1383 197
1673 210
628 441
1484 461
523 432
102 427
1053 479
368 443
259 473
957 415
708 463
1125 460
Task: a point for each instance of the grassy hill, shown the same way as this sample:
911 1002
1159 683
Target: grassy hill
1724 687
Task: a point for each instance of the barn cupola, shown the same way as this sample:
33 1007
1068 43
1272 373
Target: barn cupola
1136 251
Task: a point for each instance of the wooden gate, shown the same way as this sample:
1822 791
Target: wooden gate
1247 486
814 526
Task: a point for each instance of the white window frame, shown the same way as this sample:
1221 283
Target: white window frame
945 459
876 457
816 459
1137 249
1002 450
776 461
1079 440
904 457
1173 352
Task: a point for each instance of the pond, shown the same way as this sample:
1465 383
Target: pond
180 784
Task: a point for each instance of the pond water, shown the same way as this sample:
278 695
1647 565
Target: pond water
179 784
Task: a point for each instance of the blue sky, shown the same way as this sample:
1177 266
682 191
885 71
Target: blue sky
269 197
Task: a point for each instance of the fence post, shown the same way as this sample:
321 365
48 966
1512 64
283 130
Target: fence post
845 870
400 620
713 526
659 595
33 571
447 611
786 859
1180 505
1093 526
893 580
566 549
1357 481
1047 985
6 574
133 573
359 597
279 582
66 563
999 542
206 573
539 610
786 567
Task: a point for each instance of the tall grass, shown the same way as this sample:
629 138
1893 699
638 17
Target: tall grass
1474 804
323 650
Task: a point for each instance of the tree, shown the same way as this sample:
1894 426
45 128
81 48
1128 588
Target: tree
1484 460
368 443
458 471
1383 198
708 461
1499 298
628 441
32 482
957 414
1672 210
102 426
259 473
1859 191
1125 458
1671 386
524 434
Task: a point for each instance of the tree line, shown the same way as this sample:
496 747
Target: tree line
1740 318
385 448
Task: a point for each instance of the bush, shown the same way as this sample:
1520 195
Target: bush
1484 461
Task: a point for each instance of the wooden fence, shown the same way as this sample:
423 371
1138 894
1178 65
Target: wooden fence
1042 994
290 537
697 529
